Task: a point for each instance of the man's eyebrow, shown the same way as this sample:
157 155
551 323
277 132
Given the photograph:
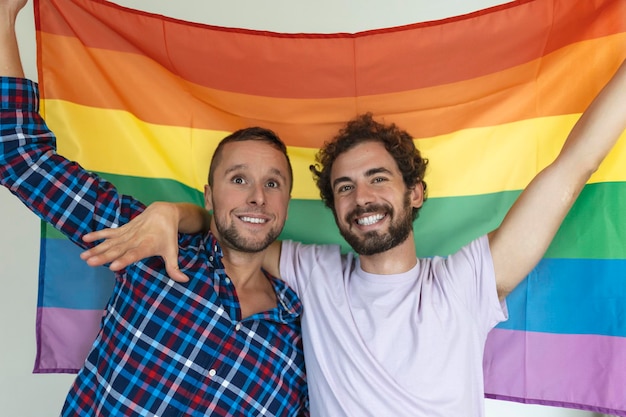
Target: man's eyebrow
374 171
237 167
243 167
340 180
279 173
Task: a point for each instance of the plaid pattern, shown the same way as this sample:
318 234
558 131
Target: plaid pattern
164 349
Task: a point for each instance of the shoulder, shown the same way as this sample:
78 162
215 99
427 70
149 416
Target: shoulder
477 249
292 249
311 247
472 258
300 263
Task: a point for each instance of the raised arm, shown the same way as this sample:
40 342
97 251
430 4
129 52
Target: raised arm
59 191
10 63
532 222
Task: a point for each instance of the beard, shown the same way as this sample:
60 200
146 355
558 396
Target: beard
230 237
374 242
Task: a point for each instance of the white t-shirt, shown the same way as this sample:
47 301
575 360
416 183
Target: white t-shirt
394 345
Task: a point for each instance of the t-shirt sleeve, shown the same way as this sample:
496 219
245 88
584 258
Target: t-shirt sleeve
290 268
471 273
299 262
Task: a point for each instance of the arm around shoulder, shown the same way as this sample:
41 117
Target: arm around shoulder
152 233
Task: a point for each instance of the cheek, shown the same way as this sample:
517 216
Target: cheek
341 208
280 203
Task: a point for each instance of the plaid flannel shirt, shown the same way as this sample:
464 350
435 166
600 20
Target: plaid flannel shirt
164 348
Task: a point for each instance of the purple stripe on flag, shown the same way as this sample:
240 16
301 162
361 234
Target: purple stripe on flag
57 326
557 369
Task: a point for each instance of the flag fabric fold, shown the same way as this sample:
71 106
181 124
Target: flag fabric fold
489 97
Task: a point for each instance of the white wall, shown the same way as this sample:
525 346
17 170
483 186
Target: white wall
23 394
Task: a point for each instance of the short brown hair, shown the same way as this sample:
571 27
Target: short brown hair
251 133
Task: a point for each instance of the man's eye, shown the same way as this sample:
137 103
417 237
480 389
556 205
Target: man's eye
344 188
273 184
238 180
379 179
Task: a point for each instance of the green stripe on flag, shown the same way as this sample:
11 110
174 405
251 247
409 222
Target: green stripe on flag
591 230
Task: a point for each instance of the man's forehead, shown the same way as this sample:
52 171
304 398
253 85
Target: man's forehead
258 155
248 150
364 159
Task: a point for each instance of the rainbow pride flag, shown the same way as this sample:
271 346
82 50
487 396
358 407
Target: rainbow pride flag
489 97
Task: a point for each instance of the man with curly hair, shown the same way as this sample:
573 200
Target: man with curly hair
399 145
387 333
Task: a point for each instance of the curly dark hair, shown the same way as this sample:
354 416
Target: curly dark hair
361 129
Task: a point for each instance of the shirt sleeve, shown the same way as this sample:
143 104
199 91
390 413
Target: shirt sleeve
59 191
472 277
289 262
300 263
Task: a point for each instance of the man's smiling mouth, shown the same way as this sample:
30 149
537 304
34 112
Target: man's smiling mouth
254 220
369 220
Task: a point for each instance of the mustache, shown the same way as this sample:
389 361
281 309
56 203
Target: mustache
252 211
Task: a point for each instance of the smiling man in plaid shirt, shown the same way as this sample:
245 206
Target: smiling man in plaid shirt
226 343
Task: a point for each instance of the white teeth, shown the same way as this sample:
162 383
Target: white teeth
369 220
252 220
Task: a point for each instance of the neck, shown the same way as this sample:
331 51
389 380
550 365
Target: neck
254 291
243 269
396 260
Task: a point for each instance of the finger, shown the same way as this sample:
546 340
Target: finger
130 256
97 250
171 266
103 253
97 260
174 272
100 259
101 235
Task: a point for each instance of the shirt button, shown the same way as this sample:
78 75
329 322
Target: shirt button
238 326
212 373
227 280
210 258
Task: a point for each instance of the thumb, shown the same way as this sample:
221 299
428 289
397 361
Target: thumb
172 269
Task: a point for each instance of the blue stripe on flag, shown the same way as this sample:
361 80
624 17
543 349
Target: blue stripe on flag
70 282
575 296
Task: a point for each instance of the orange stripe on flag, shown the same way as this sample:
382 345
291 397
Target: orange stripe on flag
160 97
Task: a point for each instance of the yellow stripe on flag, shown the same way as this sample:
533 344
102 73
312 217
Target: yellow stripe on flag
121 144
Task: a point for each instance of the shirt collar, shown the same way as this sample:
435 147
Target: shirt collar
289 306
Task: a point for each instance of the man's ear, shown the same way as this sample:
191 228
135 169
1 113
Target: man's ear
417 195
208 198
